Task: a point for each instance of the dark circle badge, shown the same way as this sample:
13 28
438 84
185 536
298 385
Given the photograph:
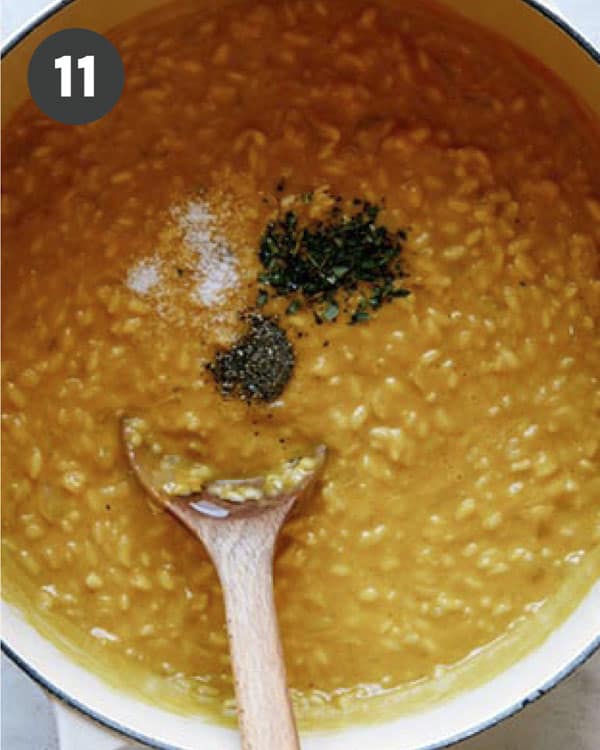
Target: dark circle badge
76 76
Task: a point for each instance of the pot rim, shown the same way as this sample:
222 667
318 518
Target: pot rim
49 686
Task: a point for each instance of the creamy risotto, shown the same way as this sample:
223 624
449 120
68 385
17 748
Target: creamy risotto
459 509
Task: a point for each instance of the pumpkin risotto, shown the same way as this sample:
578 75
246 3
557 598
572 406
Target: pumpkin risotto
459 508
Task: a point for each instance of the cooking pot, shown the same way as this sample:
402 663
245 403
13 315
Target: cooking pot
543 35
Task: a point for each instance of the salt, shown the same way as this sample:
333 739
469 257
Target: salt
216 269
191 266
143 276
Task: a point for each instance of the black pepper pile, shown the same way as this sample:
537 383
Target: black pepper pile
258 366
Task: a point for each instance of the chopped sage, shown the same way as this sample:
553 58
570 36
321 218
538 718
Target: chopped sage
347 251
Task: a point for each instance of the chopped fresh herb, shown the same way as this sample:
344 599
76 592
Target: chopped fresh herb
359 316
345 251
262 298
340 271
293 307
258 366
307 197
331 311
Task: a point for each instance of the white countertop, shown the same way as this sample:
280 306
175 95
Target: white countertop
566 719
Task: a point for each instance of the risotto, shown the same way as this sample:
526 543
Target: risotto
458 513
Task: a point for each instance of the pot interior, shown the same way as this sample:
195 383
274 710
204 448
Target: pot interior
466 713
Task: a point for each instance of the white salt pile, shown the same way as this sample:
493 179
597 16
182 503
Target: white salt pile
144 276
206 267
216 268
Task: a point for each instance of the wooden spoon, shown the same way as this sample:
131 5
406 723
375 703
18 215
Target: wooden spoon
238 522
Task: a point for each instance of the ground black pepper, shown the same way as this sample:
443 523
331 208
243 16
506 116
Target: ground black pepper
259 365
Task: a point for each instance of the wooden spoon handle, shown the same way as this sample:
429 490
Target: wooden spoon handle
264 709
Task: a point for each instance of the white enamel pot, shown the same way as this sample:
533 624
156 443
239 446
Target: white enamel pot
544 36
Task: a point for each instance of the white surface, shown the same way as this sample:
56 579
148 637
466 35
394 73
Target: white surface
568 718
73 725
